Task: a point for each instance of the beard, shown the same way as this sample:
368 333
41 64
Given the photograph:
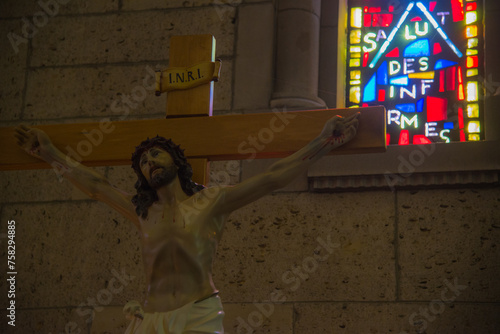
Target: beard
164 177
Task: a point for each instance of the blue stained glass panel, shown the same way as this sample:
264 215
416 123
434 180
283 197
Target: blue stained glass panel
406 107
443 63
420 105
400 81
419 48
370 90
382 74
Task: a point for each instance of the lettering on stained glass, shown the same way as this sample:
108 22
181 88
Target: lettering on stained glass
422 60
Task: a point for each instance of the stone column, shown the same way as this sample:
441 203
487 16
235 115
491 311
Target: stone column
297 55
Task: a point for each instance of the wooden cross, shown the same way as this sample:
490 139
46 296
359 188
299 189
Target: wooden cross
190 123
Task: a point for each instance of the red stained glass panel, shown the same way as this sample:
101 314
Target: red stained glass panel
436 109
457 7
404 137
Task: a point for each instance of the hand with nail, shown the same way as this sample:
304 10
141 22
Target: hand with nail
339 130
34 141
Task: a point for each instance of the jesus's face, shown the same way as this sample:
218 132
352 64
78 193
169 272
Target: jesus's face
158 167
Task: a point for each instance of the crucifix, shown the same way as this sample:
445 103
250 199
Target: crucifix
189 122
180 228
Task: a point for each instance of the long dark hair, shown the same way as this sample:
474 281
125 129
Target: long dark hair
146 195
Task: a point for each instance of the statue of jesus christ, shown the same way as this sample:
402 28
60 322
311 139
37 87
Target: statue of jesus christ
181 222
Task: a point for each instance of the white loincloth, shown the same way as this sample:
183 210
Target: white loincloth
204 316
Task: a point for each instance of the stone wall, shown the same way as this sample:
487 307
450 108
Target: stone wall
357 261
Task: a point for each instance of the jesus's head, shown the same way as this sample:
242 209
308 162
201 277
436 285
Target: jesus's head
157 167
157 162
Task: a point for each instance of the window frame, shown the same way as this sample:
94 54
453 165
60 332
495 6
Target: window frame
410 159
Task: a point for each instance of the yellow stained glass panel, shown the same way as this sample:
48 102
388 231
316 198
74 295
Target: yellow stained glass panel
470 17
471 31
355 94
356 62
474 127
356 17
472 43
472 91
355 49
473 110
355 36
472 72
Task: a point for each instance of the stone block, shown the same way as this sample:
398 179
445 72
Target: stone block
38 186
310 247
109 320
89 6
119 93
448 244
223 89
14 45
13 67
260 318
18 9
128 37
399 318
224 173
123 177
108 92
253 167
73 254
49 320
32 10
254 63
130 5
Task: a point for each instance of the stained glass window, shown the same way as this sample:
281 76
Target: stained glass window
422 60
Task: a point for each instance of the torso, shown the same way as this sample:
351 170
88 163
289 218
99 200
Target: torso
179 246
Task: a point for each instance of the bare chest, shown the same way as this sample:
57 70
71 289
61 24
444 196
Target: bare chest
187 224
181 241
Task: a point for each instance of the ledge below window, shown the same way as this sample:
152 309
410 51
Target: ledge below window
393 182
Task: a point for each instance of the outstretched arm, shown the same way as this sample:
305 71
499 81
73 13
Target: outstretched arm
38 144
337 131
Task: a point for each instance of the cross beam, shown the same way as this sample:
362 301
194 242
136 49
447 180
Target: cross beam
189 123
230 137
